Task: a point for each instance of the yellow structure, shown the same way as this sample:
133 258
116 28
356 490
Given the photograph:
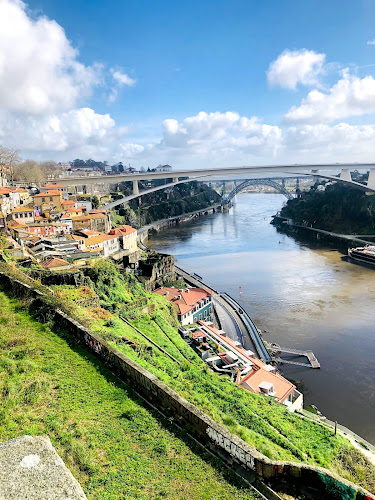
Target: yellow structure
48 200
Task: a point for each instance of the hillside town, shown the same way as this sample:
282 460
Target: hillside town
59 230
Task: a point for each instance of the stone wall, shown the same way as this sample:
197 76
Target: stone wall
316 482
157 270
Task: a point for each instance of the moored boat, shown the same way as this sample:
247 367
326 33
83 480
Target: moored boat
364 254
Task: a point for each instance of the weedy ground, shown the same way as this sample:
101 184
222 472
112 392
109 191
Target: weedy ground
113 444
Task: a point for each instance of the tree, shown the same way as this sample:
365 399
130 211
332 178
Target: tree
9 159
30 171
78 163
95 202
49 168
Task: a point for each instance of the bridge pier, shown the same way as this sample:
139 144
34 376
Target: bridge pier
371 179
315 177
345 174
175 180
298 191
135 187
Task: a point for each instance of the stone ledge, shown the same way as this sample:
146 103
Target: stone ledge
31 469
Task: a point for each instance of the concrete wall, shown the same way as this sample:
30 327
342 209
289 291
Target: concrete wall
316 482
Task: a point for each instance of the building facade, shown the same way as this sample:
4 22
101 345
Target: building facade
193 304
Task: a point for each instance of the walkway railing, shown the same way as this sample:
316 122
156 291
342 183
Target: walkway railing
252 329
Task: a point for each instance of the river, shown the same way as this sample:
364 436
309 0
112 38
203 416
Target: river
302 296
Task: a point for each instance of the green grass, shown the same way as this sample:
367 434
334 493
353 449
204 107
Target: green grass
263 423
113 444
258 420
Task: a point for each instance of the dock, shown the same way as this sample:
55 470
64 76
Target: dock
313 362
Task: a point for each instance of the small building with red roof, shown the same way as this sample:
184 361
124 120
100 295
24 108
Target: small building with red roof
54 186
127 236
193 304
250 372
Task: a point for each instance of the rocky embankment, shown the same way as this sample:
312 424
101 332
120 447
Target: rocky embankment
170 202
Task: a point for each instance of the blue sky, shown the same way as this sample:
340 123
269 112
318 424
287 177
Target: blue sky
188 82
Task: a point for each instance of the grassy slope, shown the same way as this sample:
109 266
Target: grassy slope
114 446
263 423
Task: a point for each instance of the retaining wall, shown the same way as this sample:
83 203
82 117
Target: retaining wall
316 482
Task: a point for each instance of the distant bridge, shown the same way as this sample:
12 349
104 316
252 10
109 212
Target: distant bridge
244 172
257 182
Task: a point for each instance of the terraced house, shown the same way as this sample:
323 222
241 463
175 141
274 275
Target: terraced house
193 304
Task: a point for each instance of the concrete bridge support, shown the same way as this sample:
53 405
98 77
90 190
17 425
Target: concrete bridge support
315 177
175 179
345 174
371 179
135 187
297 186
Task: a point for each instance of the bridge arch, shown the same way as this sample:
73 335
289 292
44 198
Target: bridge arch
257 182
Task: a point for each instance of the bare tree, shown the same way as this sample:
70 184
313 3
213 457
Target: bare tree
30 171
9 158
50 168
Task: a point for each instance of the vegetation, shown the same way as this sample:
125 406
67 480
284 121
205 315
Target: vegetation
113 444
260 421
181 199
95 202
339 208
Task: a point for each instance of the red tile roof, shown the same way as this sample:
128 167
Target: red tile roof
185 299
53 185
122 230
54 262
52 192
282 387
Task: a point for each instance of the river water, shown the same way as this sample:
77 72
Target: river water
302 296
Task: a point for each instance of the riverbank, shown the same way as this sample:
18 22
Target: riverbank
143 232
300 291
245 334
289 226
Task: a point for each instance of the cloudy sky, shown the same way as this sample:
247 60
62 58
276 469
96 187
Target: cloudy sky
189 83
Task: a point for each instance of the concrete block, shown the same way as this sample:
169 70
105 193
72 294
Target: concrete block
31 469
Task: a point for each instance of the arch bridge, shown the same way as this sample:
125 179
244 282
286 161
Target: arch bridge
257 182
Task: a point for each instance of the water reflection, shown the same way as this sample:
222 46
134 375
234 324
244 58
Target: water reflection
302 294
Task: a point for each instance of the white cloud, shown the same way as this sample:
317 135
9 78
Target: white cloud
222 138
324 143
120 80
294 67
39 70
371 42
57 132
350 96
123 78
130 150
41 83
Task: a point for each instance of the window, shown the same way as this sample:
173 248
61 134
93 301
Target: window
200 316
43 200
50 198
